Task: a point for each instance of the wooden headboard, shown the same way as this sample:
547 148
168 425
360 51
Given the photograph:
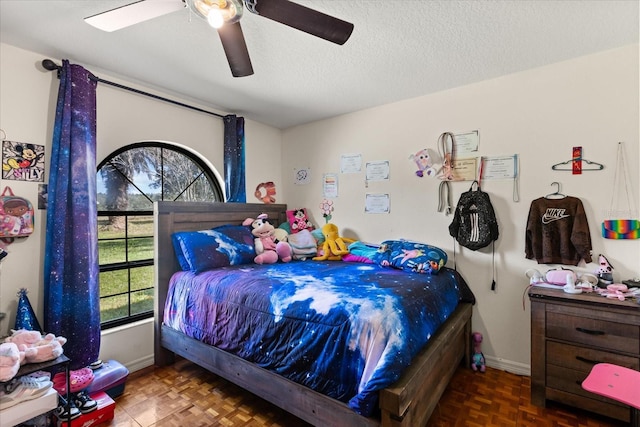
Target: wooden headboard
171 217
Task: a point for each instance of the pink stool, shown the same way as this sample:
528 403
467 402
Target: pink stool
617 383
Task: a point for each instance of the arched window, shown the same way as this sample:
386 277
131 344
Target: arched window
128 182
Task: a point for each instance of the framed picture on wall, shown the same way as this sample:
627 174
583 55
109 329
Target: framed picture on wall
22 161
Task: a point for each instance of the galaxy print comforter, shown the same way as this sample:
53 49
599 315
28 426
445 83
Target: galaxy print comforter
343 329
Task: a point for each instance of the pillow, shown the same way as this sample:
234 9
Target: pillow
198 251
410 256
298 220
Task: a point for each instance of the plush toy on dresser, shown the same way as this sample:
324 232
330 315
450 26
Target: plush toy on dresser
477 360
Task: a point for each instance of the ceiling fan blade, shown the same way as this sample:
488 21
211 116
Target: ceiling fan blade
304 19
134 13
236 49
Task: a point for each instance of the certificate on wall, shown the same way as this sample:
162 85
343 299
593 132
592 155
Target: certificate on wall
465 169
376 203
378 171
351 163
330 185
467 142
500 167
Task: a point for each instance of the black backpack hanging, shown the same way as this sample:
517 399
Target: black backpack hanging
474 224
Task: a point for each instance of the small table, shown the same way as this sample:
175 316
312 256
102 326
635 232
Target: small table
618 383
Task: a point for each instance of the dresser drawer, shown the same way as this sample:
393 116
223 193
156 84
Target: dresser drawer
570 381
593 332
582 359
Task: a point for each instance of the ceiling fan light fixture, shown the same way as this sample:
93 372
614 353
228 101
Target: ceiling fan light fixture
217 12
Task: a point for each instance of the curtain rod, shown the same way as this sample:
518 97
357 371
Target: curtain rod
48 64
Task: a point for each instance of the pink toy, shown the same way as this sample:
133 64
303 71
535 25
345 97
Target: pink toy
37 348
477 360
10 360
268 248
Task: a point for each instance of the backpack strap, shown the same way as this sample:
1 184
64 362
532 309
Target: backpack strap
444 197
4 192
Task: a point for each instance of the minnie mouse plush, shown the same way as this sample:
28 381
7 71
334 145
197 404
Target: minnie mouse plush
268 248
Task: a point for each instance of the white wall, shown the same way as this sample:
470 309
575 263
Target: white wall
540 115
27 109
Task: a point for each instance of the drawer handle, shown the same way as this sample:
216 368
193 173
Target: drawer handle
589 331
584 359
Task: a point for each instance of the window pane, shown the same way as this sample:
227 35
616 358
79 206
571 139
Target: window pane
140 248
110 227
114 282
112 251
142 278
140 226
141 301
112 308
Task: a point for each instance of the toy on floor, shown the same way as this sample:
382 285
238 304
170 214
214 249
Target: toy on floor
477 361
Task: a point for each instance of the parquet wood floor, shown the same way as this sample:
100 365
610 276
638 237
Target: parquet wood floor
185 395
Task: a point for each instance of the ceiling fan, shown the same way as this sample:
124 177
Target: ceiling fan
224 15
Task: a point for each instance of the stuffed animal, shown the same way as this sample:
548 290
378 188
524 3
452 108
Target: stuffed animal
10 360
268 248
37 348
477 360
334 246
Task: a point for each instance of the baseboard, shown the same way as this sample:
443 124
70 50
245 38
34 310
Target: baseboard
141 363
508 365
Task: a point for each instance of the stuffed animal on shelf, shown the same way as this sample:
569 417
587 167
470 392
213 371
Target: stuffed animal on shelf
334 246
268 248
477 360
10 360
37 347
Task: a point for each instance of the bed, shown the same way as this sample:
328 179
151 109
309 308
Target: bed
408 401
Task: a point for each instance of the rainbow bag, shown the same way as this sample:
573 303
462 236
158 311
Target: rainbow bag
621 229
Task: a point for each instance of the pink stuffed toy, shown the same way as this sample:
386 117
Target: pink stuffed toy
268 248
37 348
477 360
10 360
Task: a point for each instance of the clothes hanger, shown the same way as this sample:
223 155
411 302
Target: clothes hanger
557 194
595 165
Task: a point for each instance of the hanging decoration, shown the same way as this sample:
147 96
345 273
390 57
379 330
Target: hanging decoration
326 207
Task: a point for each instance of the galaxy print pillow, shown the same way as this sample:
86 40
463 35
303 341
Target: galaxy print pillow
410 256
199 251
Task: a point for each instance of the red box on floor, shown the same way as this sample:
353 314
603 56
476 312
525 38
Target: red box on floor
104 412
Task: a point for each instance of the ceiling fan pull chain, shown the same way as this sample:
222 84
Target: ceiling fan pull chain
251 6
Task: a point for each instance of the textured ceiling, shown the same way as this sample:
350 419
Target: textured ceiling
399 49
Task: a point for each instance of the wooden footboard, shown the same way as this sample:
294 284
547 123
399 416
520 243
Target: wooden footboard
408 403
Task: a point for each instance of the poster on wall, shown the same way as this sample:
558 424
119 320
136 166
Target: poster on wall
330 185
22 161
301 176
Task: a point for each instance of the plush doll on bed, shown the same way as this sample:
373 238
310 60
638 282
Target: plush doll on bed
268 248
334 246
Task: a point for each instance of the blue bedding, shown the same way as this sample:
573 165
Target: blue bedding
343 329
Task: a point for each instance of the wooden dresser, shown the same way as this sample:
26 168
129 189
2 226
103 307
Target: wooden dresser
569 334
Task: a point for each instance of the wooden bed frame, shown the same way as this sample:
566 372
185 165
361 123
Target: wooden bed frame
407 403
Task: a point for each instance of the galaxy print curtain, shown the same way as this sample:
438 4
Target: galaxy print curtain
71 291
234 168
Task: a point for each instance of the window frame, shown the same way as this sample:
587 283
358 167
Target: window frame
127 265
